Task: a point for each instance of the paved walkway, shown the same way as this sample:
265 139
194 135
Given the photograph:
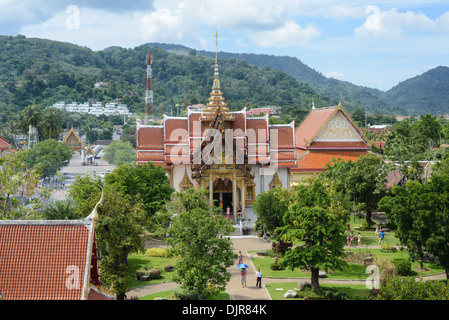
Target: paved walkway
234 287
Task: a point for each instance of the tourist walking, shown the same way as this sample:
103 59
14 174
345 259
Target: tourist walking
382 237
259 278
377 230
240 258
243 277
359 240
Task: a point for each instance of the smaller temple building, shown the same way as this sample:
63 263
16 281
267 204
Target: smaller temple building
326 134
73 140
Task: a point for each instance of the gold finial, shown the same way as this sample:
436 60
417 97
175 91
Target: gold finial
341 99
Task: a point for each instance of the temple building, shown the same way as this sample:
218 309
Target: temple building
326 134
73 141
234 156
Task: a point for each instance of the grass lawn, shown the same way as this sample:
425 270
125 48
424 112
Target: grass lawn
142 261
355 290
353 271
169 296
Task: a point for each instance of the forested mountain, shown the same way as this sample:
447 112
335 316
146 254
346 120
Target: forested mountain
354 96
428 91
37 71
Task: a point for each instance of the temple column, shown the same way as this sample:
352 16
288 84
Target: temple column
211 191
243 200
234 204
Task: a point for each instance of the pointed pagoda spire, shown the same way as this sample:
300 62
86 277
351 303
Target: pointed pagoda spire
216 102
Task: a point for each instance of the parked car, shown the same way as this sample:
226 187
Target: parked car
102 174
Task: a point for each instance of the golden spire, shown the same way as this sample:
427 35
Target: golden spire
340 105
216 101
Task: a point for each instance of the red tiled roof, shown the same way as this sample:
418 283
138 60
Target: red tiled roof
316 160
45 259
4 145
311 125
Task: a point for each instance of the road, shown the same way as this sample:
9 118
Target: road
74 169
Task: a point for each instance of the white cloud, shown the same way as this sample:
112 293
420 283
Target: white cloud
291 34
95 29
394 24
266 22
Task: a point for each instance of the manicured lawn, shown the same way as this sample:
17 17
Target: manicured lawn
355 290
353 271
141 261
169 296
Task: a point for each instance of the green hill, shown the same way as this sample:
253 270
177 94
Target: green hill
354 96
38 71
426 93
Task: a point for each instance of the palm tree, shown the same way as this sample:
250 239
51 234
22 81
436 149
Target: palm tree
30 118
52 122
61 210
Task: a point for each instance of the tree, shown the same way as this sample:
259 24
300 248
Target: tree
118 229
421 214
438 242
196 237
409 210
86 192
366 183
15 178
314 219
51 122
61 210
120 152
270 208
51 155
148 183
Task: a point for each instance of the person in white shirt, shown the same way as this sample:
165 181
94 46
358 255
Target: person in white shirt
259 278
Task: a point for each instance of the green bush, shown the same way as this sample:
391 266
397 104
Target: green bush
410 289
152 273
387 248
184 294
277 266
156 252
403 266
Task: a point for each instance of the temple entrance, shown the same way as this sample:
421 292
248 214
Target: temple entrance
222 196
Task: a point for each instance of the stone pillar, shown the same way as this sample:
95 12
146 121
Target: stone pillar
234 202
243 200
211 191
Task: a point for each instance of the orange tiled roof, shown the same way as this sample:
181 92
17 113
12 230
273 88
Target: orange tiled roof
45 259
175 140
316 160
4 145
311 125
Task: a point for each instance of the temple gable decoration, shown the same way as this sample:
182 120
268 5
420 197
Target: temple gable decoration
339 128
73 141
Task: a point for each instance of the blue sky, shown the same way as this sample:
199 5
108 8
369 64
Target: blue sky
375 44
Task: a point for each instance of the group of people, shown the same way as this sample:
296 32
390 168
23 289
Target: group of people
378 232
243 273
350 239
